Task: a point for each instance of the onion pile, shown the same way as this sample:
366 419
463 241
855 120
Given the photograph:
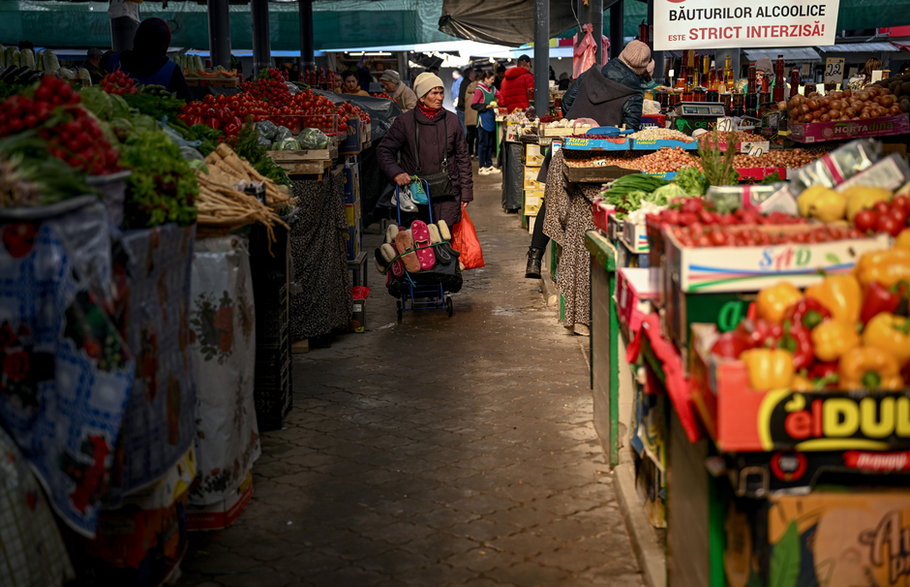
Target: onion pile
873 102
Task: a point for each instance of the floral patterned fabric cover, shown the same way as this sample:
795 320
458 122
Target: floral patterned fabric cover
223 343
32 550
153 284
66 374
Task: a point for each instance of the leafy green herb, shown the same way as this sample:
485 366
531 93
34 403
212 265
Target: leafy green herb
162 187
773 177
691 180
718 166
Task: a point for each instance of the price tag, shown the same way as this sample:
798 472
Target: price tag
834 70
756 151
725 125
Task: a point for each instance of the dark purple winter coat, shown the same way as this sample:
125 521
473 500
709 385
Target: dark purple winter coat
396 150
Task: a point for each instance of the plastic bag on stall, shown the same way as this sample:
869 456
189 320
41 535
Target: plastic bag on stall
382 111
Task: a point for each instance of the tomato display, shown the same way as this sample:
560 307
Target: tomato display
118 83
73 134
889 217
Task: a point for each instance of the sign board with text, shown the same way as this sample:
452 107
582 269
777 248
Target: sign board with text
834 70
715 24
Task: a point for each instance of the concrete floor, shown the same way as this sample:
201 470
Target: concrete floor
438 451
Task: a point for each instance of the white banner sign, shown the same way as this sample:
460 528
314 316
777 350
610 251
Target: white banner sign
715 24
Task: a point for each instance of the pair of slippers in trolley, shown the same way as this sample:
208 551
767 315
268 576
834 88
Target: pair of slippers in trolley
415 249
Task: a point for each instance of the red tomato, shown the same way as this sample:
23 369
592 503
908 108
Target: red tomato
881 207
902 202
864 220
888 224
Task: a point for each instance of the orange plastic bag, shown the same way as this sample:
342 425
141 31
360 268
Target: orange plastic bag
464 240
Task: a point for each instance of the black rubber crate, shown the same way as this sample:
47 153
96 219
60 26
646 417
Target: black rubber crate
272 395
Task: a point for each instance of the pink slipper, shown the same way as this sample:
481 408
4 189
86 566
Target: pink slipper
389 254
421 235
405 247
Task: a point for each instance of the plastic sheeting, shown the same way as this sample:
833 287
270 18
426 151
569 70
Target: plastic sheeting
505 22
223 325
159 424
67 374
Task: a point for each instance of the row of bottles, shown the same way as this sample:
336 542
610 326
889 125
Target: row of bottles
701 81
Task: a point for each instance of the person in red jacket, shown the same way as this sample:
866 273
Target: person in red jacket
517 85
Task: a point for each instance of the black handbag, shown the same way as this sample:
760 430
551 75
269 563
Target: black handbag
439 184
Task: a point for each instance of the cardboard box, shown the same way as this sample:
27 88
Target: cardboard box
351 178
760 173
352 213
615 226
635 237
531 221
352 142
747 269
817 132
533 155
221 515
742 419
586 144
353 241
655 144
832 538
633 293
533 201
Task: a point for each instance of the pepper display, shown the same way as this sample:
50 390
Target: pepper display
870 368
798 340
876 299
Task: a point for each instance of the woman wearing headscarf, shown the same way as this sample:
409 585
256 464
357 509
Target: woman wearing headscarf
427 140
147 62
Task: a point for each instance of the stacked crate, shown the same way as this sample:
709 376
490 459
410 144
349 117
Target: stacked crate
533 189
272 391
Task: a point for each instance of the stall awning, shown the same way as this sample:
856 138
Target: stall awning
790 54
859 48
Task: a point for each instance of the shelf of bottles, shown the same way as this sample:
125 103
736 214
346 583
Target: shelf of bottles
700 80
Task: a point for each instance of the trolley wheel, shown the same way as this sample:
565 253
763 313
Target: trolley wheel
400 311
450 306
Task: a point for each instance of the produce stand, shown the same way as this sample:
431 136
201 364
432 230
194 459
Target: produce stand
742 479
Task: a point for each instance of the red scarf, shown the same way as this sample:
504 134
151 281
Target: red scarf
430 113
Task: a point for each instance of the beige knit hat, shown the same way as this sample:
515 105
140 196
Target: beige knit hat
390 75
636 55
425 82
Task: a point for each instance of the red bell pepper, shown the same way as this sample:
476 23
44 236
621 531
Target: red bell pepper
876 299
824 374
798 340
761 333
730 345
808 312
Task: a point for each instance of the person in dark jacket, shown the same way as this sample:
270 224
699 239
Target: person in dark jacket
441 140
147 62
516 85
625 71
613 97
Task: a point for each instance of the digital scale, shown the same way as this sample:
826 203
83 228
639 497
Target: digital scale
689 116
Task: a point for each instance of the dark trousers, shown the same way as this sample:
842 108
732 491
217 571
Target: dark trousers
123 29
484 147
538 239
471 138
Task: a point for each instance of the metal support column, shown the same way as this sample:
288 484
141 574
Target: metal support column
542 56
307 59
596 7
616 29
262 47
220 33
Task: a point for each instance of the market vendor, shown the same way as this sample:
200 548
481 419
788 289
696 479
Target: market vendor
147 62
400 93
435 135
351 85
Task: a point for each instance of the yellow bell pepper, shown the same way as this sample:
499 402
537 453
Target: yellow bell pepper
833 338
773 301
903 239
768 368
869 368
842 295
891 334
887 266
861 196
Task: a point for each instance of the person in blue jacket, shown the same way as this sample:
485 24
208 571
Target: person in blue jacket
147 62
